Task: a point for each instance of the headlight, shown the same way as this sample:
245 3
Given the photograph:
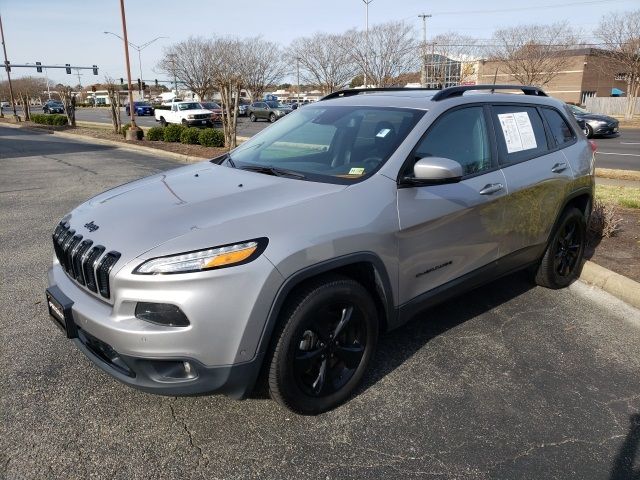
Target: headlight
208 259
190 117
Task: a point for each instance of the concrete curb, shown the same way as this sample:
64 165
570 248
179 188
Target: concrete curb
617 285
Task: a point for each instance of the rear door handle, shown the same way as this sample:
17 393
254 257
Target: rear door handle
559 167
491 188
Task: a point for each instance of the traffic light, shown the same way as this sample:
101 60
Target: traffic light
93 88
144 86
139 84
38 67
156 80
121 81
95 69
7 65
68 69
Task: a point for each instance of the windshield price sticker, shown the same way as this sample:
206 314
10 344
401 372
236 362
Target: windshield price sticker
517 131
356 171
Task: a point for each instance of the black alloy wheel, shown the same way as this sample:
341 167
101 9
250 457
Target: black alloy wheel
588 131
562 261
272 117
326 341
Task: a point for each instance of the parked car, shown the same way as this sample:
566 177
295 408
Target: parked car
243 109
186 113
267 110
291 254
141 108
215 109
594 123
53 106
4 104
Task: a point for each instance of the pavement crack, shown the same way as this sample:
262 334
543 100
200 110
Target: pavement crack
203 459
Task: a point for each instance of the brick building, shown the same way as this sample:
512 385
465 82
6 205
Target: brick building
588 73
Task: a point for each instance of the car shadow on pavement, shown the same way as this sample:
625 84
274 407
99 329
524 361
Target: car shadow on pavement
396 347
623 467
27 147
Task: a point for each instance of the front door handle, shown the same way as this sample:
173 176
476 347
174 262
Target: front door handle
491 188
559 167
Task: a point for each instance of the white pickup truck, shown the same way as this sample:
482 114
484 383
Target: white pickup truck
186 113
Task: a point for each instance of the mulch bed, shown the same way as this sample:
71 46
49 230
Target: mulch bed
622 252
106 134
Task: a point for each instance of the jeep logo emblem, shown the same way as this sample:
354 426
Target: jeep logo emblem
92 227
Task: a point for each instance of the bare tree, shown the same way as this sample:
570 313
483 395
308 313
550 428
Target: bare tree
533 54
324 61
263 66
28 89
68 98
390 52
620 33
227 77
190 62
113 92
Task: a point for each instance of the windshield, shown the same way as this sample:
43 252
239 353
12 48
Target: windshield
337 144
141 104
210 105
189 106
273 104
577 110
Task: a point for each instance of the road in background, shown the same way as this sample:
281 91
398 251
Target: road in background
621 151
508 381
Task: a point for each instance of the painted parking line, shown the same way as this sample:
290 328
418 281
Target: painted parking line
629 143
621 154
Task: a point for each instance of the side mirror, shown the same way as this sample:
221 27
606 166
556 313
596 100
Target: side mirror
436 170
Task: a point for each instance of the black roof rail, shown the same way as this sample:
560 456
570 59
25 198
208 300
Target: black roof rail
348 92
457 91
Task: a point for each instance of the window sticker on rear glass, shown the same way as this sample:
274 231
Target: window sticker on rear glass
383 133
517 130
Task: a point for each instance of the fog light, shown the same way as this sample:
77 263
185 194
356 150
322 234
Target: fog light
163 314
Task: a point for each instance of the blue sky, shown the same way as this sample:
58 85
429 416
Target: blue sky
71 31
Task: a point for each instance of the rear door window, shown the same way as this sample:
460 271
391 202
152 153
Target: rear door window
519 133
560 129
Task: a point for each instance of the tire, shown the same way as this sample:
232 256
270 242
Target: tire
588 131
184 122
334 320
562 261
272 117
163 122
252 117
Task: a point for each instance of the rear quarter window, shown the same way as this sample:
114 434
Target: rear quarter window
560 129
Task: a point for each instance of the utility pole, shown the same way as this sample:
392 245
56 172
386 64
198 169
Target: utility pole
423 74
132 133
366 53
6 66
298 68
172 58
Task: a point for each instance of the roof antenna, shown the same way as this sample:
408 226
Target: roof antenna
494 79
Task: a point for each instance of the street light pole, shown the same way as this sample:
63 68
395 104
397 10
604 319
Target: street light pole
366 53
6 66
298 68
132 110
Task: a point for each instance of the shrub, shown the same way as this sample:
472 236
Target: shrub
190 136
211 137
604 222
54 119
155 133
173 132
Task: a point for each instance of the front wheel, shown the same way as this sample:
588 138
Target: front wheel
252 117
562 260
163 122
327 339
272 117
588 131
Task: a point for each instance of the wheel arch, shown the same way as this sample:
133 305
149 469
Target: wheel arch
582 199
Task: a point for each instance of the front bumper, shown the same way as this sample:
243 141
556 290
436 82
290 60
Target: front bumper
216 353
198 122
604 129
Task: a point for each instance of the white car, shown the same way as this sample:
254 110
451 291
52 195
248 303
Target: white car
4 104
185 113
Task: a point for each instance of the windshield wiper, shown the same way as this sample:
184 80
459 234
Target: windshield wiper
275 171
224 158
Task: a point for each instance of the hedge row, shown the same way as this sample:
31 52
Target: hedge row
207 137
51 119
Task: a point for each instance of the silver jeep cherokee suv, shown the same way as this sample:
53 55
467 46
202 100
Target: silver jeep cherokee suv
284 260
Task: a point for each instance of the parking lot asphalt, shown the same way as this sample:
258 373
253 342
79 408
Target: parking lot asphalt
621 151
509 381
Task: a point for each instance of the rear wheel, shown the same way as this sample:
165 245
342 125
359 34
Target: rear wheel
252 117
562 260
328 336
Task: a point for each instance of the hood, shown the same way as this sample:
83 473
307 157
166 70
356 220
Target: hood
146 213
198 111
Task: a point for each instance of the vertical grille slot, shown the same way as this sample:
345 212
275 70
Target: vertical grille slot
66 240
103 271
88 267
70 252
78 256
